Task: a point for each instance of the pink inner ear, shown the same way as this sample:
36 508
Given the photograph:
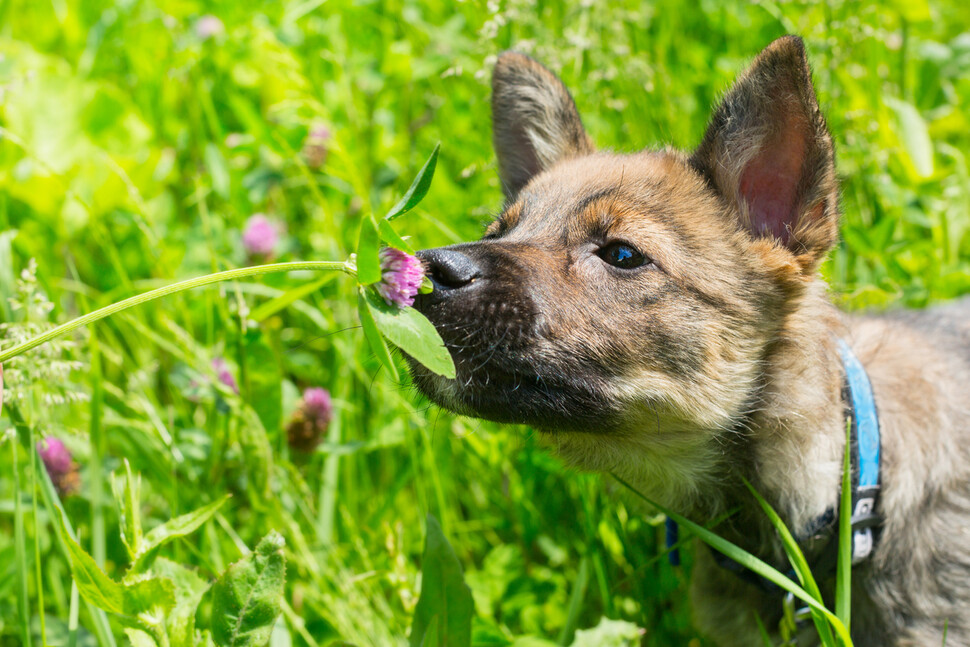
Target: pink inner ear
769 184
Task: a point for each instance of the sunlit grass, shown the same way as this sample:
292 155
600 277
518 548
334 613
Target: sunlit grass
134 148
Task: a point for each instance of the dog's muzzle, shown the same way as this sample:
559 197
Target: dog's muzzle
507 368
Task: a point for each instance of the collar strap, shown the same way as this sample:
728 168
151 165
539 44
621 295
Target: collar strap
860 410
858 398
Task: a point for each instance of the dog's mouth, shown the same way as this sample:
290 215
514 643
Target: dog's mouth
512 390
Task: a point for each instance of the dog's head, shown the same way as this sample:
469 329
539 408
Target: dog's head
634 294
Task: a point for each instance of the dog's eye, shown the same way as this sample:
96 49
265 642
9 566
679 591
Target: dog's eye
622 256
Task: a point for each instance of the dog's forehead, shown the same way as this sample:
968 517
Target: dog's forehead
559 200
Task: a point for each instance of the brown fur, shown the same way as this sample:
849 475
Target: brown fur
716 359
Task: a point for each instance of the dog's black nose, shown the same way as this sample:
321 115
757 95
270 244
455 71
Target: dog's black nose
449 270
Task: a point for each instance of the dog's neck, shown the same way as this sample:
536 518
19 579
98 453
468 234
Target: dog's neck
790 447
796 434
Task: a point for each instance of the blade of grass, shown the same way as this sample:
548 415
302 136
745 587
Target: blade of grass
684 538
368 252
433 468
843 574
329 484
575 603
418 189
96 482
102 628
72 616
298 624
590 519
747 560
20 543
762 631
798 562
271 307
374 337
38 563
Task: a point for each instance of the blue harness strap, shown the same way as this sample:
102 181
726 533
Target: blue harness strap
861 411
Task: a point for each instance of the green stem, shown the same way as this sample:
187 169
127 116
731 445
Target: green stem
329 483
38 572
72 617
96 466
181 286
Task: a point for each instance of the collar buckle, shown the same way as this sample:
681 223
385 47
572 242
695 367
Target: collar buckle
865 522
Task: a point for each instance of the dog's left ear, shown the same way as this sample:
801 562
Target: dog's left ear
768 152
534 121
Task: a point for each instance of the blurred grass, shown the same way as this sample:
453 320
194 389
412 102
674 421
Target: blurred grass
134 149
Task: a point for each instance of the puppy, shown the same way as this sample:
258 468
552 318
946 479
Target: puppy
659 315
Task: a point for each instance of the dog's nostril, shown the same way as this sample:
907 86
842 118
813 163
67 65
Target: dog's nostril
449 269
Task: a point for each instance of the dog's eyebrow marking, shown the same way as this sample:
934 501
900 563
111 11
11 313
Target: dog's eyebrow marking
608 192
595 215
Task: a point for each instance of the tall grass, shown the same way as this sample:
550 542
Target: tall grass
133 149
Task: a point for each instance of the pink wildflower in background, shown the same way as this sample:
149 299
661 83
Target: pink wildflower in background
318 405
209 26
311 420
60 465
401 276
221 367
260 236
315 147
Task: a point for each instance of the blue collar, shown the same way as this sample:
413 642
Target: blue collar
858 397
860 410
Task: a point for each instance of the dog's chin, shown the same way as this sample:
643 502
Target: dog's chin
551 403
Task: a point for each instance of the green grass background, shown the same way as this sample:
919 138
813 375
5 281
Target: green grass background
132 151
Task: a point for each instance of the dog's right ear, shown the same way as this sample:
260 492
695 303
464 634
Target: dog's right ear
768 152
534 121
